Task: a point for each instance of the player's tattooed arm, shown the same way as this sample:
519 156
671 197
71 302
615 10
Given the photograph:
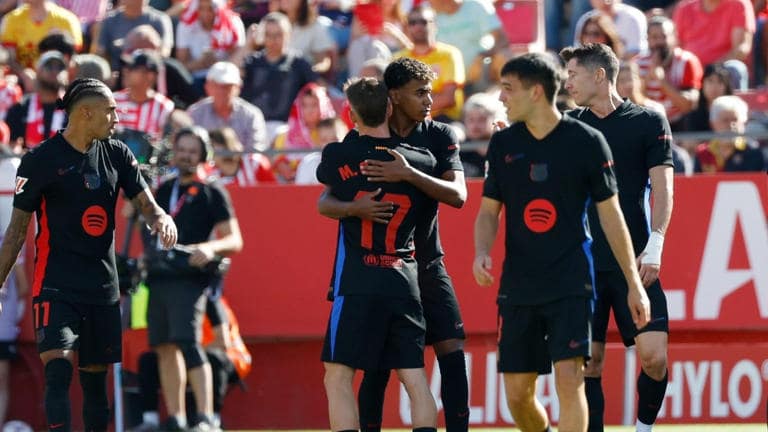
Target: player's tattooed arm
157 219
15 235
365 207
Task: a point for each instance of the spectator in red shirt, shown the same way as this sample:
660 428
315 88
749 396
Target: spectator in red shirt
672 75
232 166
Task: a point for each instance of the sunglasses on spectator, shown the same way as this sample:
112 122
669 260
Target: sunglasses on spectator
417 21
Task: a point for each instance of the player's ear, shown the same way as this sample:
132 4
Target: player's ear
353 116
600 75
393 95
389 108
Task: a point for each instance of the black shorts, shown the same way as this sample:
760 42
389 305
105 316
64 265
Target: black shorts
532 337
8 350
611 288
94 331
375 332
175 311
441 309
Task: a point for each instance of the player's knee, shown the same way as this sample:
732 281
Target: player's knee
448 346
193 354
654 364
337 376
594 367
58 376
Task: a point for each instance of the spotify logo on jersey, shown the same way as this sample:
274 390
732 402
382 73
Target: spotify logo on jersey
540 215
94 220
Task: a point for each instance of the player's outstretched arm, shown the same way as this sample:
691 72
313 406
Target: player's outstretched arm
364 207
617 234
15 235
157 219
450 189
486 227
649 261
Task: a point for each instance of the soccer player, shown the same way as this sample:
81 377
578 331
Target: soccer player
545 169
640 141
376 321
410 91
72 182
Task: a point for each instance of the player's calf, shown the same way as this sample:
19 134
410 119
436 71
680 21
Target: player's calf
342 409
93 381
423 407
58 376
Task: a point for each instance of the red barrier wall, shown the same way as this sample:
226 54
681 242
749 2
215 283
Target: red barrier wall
715 274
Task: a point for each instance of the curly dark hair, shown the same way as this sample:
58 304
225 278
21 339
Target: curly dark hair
404 70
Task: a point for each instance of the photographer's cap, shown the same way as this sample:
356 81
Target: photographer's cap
224 73
51 56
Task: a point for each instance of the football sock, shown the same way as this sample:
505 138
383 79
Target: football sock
58 376
149 382
370 399
424 429
95 403
454 391
650 396
593 387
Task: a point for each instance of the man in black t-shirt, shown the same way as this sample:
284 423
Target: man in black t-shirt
72 182
640 141
178 279
376 321
410 91
544 170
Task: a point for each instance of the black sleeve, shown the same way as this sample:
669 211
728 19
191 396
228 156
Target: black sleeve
30 182
129 176
325 171
247 92
221 204
491 187
15 119
307 72
658 143
447 150
601 178
180 84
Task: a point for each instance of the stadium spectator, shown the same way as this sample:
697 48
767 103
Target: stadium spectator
447 88
36 117
480 114
178 279
672 75
274 75
630 24
173 79
224 108
24 27
91 66
729 114
718 31
599 28
120 21
10 91
553 16
90 13
328 130
311 35
629 85
232 166
382 19
715 82
311 105
466 24
141 108
208 32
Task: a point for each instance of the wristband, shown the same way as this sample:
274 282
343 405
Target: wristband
652 252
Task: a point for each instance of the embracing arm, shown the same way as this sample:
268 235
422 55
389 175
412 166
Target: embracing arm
157 219
364 207
449 189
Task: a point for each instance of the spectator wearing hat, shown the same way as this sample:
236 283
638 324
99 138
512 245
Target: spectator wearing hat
224 108
37 117
141 108
173 80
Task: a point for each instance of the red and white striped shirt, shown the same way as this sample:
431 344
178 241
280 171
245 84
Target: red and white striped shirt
254 169
10 94
684 73
148 117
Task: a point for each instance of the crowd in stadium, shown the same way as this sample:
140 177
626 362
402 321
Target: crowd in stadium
264 78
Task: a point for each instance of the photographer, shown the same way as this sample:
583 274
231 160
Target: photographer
178 279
